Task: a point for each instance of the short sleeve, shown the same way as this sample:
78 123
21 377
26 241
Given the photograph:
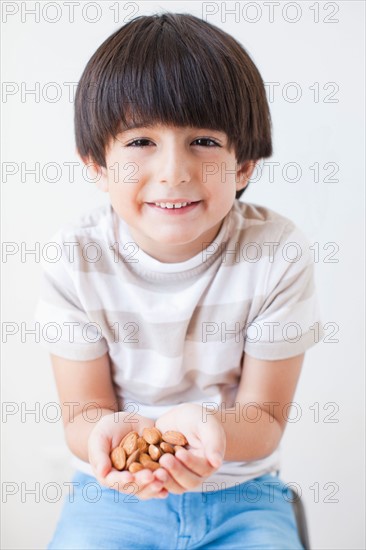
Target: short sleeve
65 328
288 321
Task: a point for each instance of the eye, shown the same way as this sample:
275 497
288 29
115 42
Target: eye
202 142
205 140
139 143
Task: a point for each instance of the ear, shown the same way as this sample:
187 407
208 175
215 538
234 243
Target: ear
96 173
244 173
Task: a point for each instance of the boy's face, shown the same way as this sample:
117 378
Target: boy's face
154 164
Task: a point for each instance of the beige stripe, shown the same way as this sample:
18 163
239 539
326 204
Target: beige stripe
209 323
247 246
189 388
168 338
291 290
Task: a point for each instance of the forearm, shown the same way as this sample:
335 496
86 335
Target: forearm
249 435
77 432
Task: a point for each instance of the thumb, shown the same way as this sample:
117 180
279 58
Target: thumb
215 458
214 443
98 451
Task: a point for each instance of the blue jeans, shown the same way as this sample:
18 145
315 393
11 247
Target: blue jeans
253 515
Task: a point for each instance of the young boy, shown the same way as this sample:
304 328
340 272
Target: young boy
177 305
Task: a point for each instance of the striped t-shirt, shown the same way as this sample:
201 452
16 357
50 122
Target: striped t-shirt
177 332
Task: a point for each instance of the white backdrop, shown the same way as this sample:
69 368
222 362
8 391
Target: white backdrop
310 55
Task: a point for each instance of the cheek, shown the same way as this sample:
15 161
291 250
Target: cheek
114 192
222 191
120 186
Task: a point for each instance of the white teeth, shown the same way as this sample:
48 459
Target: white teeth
171 205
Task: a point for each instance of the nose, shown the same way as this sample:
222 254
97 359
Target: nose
173 167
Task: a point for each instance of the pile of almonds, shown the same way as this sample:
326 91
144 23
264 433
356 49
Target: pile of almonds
135 453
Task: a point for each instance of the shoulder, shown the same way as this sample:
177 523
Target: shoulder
96 221
94 227
80 240
268 240
262 224
260 215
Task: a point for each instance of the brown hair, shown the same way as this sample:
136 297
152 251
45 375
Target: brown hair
174 69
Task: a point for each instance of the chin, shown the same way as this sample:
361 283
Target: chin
174 243
175 239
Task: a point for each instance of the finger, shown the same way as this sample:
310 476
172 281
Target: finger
99 449
169 483
116 480
162 475
213 442
143 477
151 490
149 486
215 458
114 427
199 465
180 474
107 435
130 484
163 493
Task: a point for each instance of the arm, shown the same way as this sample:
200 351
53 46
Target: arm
88 402
83 386
270 385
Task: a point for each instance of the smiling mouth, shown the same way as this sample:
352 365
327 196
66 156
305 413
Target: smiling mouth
173 206
173 209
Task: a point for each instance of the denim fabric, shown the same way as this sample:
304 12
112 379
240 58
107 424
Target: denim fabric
256 514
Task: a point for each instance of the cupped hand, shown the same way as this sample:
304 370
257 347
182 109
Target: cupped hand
207 445
106 435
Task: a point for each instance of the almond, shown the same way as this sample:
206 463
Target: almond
135 467
130 443
144 457
166 447
174 438
136 452
126 437
133 458
118 458
155 452
142 445
152 435
151 465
